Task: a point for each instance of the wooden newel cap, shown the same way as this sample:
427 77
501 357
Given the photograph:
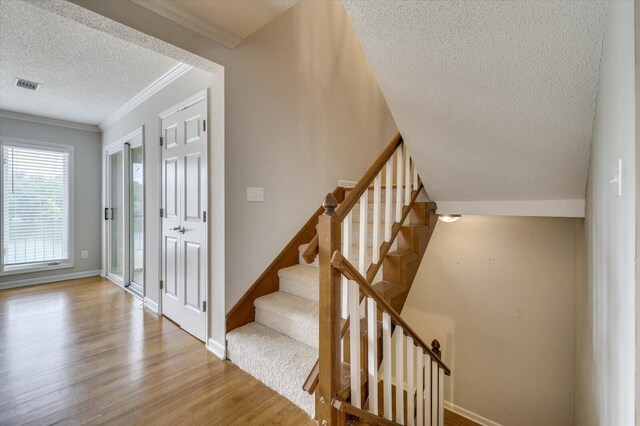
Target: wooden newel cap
330 203
435 347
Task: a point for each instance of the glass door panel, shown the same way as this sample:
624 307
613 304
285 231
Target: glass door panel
137 217
116 215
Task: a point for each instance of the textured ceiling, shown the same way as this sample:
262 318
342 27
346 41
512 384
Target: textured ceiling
225 21
85 74
495 99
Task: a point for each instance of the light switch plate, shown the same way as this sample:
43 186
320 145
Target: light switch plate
84 254
255 194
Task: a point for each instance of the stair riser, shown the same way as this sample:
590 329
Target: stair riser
305 288
355 233
307 333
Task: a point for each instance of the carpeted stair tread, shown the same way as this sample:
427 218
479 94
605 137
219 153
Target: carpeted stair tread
301 281
291 315
278 361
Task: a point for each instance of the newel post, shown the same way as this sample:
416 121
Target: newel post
329 240
435 347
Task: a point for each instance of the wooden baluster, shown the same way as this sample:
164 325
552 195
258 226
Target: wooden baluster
399 176
440 397
387 366
410 381
427 389
362 244
372 354
399 375
346 250
377 195
407 176
354 307
388 199
329 235
419 386
434 393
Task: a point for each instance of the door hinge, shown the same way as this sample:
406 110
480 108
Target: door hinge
204 125
204 216
161 212
161 285
161 140
204 306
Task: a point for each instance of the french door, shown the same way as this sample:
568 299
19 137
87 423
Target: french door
124 213
184 229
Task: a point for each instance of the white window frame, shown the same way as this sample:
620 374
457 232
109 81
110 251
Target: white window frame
35 267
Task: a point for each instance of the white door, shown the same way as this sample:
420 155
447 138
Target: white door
184 231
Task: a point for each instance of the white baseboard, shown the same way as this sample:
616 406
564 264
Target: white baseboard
217 349
459 410
469 414
48 279
151 305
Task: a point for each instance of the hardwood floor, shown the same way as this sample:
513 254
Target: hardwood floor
86 352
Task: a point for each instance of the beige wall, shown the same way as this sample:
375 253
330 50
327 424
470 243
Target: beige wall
498 293
302 111
605 309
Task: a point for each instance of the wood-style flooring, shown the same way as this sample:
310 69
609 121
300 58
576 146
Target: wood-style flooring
86 352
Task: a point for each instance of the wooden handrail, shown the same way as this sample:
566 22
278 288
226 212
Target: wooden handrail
339 262
368 417
311 382
311 251
354 194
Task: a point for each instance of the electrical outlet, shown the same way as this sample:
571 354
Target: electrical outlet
84 254
255 194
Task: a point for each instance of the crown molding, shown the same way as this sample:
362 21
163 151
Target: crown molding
162 82
50 121
190 21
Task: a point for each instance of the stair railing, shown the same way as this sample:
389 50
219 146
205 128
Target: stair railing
342 294
419 400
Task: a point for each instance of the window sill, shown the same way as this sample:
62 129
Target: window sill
34 268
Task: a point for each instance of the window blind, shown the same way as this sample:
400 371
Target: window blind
35 206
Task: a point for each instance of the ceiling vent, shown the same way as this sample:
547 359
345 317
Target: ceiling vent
26 84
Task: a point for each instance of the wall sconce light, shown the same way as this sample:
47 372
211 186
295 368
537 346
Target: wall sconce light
449 217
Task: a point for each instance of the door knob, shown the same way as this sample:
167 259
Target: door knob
179 228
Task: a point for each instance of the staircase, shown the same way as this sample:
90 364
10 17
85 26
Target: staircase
273 331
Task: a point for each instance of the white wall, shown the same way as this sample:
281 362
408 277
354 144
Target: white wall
87 217
498 293
605 314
